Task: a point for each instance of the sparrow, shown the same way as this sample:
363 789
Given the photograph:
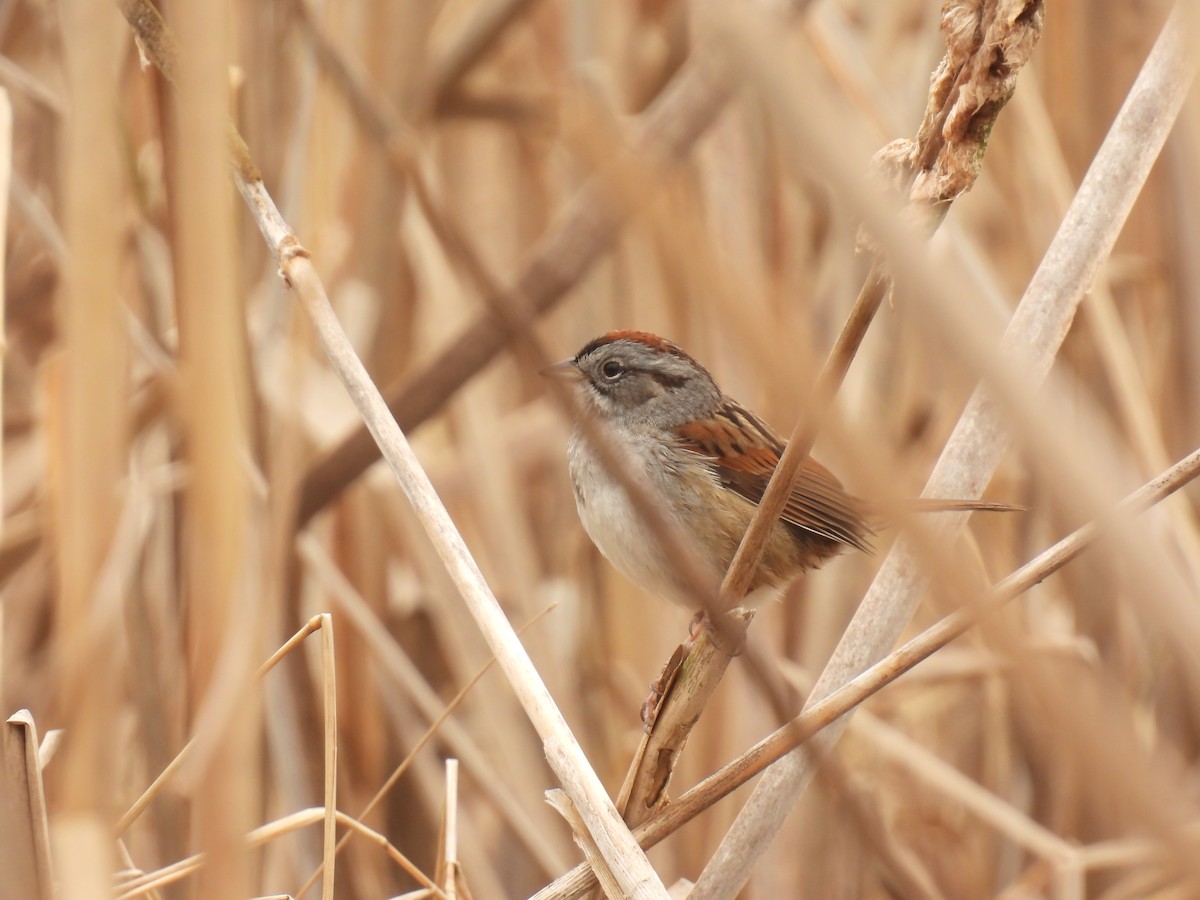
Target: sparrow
706 460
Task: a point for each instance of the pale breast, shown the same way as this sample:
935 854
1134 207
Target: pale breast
612 523
688 492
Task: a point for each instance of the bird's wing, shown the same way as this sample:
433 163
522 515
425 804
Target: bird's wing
744 451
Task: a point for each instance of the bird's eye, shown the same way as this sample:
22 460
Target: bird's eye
612 369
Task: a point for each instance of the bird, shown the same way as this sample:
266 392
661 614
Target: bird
706 461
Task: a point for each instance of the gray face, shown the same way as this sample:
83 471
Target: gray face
633 383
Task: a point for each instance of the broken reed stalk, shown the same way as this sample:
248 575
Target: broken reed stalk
25 850
630 866
1035 333
447 855
832 707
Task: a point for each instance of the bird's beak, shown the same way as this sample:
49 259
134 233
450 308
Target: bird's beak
563 371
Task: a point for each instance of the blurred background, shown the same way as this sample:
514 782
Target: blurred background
167 412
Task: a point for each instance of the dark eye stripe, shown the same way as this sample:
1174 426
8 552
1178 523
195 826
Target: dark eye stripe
667 381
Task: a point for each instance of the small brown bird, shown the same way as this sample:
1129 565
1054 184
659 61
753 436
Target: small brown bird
707 460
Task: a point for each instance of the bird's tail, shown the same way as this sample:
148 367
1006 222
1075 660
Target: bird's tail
924 505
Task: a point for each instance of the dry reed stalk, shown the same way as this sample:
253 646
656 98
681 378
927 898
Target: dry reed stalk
87 446
1101 316
329 697
448 866
223 620
596 863
6 139
469 46
9 821
1037 329
829 710
146 882
25 852
687 684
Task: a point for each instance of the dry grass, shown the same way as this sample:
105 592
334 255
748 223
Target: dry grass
169 417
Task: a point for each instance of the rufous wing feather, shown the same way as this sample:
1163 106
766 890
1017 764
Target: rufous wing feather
744 453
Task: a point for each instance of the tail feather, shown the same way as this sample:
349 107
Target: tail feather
924 505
